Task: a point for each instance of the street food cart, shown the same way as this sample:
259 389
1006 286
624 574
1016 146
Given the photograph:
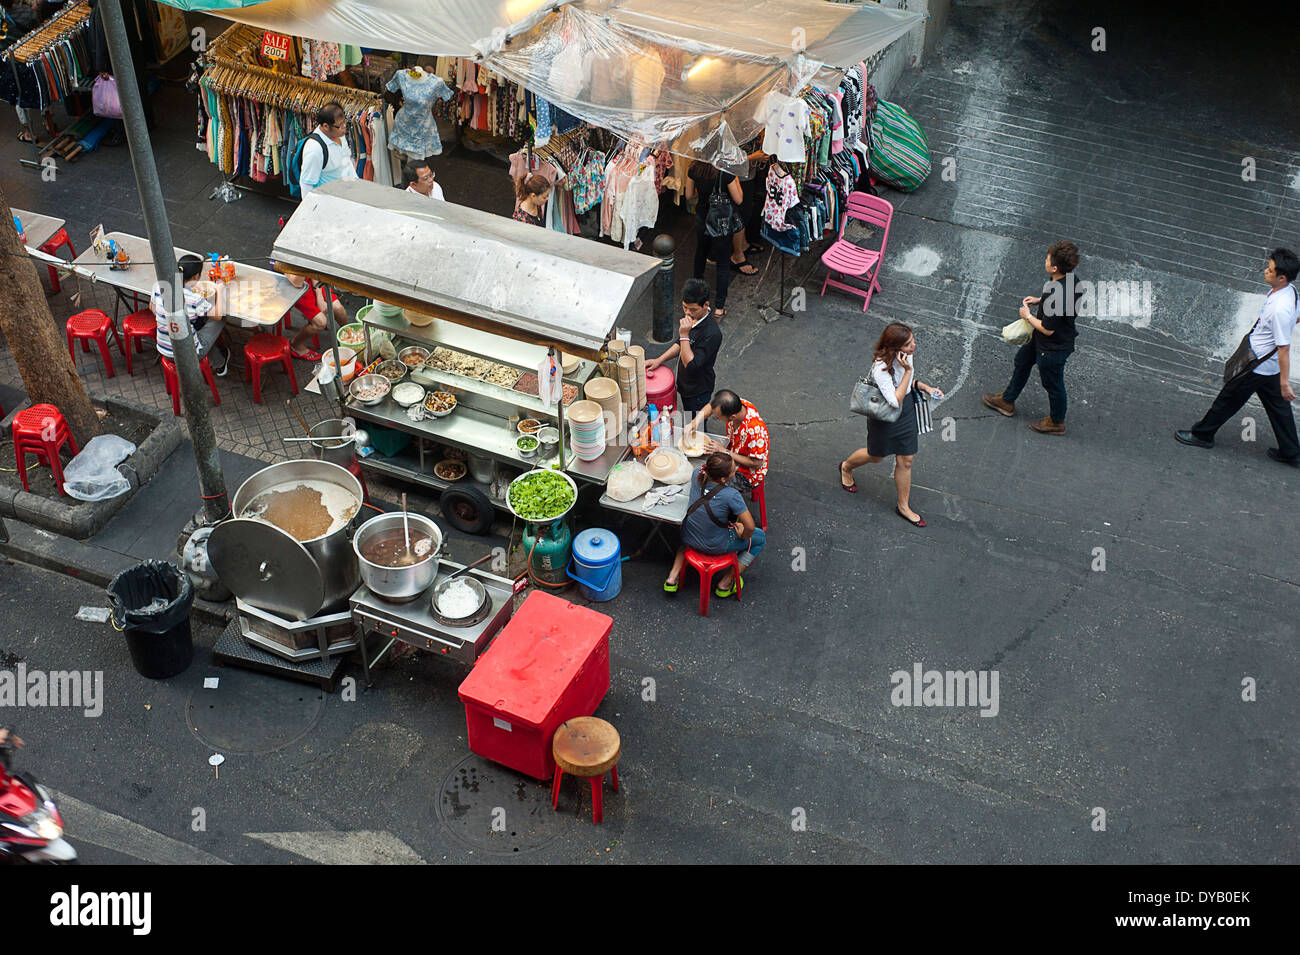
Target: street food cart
489 297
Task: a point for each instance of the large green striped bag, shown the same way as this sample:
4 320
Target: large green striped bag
900 153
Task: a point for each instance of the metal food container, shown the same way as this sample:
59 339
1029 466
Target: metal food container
269 568
398 584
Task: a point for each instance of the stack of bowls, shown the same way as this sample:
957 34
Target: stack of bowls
586 430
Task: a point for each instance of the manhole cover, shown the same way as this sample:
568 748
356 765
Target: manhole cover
253 713
496 809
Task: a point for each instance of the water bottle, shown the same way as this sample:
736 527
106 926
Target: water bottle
654 424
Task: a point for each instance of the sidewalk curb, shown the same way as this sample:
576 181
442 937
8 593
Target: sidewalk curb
38 547
83 519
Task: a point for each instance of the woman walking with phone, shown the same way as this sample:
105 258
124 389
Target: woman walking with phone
892 373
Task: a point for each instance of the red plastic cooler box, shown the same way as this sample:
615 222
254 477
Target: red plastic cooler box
550 663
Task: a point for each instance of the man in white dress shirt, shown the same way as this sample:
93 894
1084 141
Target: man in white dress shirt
335 161
420 179
1270 346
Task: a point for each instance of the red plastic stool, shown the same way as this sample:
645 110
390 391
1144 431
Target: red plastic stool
263 349
589 748
288 327
136 327
93 325
707 565
761 499
57 241
41 430
172 384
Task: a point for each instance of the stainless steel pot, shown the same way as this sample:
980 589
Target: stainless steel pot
331 446
398 584
245 565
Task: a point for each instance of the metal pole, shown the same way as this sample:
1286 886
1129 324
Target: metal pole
194 391
665 329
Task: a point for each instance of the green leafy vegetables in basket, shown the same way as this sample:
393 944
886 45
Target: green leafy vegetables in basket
536 497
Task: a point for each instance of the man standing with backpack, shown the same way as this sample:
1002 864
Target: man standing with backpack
1261 366
325 155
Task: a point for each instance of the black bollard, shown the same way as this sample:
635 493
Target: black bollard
665 311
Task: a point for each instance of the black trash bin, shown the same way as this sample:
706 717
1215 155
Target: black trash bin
151 603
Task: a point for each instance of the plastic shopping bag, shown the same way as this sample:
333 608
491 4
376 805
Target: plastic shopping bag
103 98
1018 332
93 475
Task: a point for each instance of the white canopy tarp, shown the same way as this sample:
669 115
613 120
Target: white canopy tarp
689 75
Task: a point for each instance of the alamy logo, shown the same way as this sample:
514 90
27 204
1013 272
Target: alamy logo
75 908
80 689
1133 300
923 687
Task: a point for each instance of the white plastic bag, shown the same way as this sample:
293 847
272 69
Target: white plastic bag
628 481
93 475
1018 332
550 385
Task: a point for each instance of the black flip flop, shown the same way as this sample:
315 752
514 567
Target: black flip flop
753 250
739 267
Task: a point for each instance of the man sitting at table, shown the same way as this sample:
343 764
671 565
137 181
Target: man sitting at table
197 309
311 305
747 437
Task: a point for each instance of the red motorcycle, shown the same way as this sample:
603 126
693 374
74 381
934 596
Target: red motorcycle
31 829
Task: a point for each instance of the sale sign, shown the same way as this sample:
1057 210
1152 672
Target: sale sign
275 46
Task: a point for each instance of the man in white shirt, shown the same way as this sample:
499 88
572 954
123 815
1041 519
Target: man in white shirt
335 161
420 179
1270 345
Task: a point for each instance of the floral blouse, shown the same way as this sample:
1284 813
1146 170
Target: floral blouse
750 438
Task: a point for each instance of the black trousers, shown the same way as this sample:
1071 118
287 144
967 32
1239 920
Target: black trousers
1236 393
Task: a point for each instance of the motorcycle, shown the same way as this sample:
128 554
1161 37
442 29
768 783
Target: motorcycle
31 829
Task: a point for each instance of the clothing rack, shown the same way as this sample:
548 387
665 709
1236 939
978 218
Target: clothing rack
57 28
287 92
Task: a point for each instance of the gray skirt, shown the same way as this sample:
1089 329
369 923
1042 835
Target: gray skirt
894 437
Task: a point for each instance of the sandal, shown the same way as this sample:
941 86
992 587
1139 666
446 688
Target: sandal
739 267
720 313
851 488
308 355
754 249
719 592
25 137
672 588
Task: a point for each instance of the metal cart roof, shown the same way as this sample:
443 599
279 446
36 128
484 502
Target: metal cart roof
464 265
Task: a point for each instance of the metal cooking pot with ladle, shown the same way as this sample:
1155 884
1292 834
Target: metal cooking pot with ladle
402 583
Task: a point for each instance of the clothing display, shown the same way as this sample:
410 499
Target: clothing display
782 195
46 65
415 132
786 121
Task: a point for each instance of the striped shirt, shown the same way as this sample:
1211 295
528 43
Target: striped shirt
196 306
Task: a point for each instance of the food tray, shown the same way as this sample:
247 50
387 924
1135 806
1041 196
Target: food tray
527 384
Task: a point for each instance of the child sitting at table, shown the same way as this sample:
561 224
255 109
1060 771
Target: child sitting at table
311 305
207 327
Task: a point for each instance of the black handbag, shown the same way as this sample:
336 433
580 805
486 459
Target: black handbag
1243 360
722 216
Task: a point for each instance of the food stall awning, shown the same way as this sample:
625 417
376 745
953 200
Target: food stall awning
464 265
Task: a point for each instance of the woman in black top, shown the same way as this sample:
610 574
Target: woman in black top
701 182
531 192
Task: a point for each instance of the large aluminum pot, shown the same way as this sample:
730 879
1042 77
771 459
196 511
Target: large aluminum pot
398 584
331 552
330 446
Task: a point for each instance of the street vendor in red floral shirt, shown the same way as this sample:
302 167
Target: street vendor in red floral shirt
747 438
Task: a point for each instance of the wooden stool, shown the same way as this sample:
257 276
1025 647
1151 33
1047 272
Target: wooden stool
587 747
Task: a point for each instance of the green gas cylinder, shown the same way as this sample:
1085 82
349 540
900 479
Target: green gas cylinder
549 543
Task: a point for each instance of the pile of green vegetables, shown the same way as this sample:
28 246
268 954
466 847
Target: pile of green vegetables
540 495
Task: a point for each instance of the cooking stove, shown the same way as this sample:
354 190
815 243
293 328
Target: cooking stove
414 622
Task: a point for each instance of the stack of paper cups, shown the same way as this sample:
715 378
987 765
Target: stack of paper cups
605 392
586 430
627 384
637 352
614 350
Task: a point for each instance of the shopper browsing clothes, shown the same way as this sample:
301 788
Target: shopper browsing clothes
1262 366
717 522
334 161
699 339
747 436
1052 315
197 309
703 181
531 194
891 370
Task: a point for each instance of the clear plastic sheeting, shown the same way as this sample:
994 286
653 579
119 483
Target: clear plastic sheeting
697 78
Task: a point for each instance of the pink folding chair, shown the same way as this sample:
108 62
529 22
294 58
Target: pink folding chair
852 260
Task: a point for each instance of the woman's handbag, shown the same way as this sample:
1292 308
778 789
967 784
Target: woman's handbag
1018 332
722 216
104 100
868 400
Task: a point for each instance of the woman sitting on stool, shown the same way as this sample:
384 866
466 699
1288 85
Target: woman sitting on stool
717 522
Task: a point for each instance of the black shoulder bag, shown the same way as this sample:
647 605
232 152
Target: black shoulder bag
703 499
1243 360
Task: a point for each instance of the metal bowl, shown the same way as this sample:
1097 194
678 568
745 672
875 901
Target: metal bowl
413 350
408 384
398 584
365 381
395 369
439 414
542 520
528 452
474 586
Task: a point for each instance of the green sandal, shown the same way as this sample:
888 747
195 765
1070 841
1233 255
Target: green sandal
719 592
672 588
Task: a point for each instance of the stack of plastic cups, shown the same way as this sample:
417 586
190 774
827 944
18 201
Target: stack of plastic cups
627 384
616 349
586 430
605 392
638 353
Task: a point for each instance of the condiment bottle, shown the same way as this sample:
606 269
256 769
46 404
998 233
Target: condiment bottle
214 270
227 269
